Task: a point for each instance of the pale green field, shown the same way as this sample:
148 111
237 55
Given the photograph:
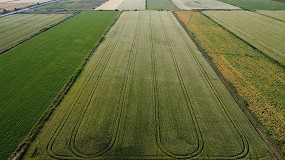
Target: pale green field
18 27
132 5
148 93
202 4
264 33
275 14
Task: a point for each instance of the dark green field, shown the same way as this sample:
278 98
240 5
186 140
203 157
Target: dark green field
160 5
257 4
33 73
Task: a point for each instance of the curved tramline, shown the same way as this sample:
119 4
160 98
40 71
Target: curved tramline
192 129
148 93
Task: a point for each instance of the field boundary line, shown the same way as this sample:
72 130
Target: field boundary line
253 47
216 97
240 101
36 34
236 6
20 93
249 37
28 8
58 130
263 132
50 144
25 144
269 16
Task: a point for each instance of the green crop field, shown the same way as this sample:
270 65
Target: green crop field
270 38
18 27
74 4
257 4
280 15
256 78
160 5
33 73
148 93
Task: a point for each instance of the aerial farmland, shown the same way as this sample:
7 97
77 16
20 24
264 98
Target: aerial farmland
142 79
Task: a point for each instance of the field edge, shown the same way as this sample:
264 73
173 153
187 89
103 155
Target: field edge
248 43
37 33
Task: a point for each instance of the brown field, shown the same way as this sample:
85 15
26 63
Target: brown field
12 6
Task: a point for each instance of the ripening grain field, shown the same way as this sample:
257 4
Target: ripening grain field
264 33
148 93
18 27
256 78
33 73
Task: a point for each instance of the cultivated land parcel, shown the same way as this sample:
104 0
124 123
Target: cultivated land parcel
160 5
123 5
270 38
72 5
18 27
202 4
33 73
257 4
274 14
147 92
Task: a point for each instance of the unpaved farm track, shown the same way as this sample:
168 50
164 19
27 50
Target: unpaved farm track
148 93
